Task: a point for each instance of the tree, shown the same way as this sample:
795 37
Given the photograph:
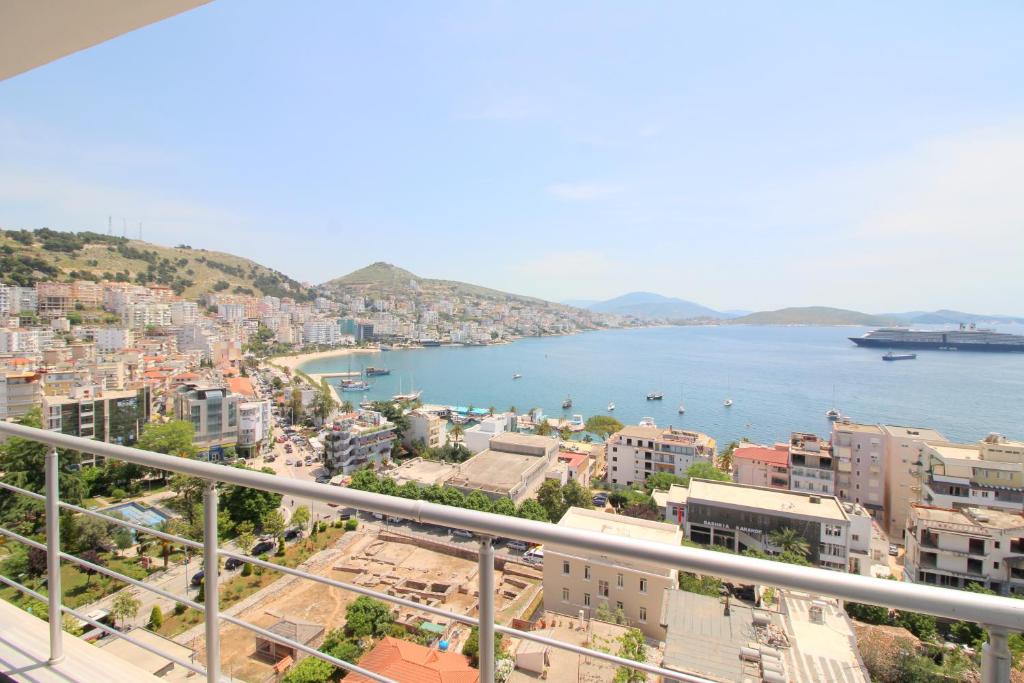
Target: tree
544 428
125 607
456 433
36 562
309 670
705 470
574 495
300 517
365 617
700 583
245 541
471 648
478 501
170 438
869 614
323 402
273 523
93 557
788 539
641 511
346 406
663 481
504 506
531 509
550 498
92 533
725 459
156 618
295 404
245 504
602 425
122 539
631 646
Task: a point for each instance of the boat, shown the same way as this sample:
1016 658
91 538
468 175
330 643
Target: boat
655 396
430 342
611 407
385 347
966 338
682 409
516 375
414 396
727 403
892 355
567 403
833 414
459 419
354 385
647 422
371 371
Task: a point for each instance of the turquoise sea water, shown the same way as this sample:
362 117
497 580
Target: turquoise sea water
780 379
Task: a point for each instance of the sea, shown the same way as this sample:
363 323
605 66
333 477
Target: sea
781 380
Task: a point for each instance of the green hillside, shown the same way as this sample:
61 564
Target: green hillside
27 257
813 315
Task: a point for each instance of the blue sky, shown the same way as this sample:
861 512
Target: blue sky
759 155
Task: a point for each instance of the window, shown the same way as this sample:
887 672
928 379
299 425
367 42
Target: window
618 581
586 573
643 615
643 585
618 606
565 568
602 588
586 599
565 595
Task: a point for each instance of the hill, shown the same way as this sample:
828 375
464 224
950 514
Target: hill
813 315
948 317
651 306
27 257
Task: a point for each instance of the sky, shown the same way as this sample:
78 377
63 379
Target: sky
742 155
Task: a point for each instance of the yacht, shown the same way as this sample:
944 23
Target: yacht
647 422
414 396
655 396
354 385
567 403
728 403
833 414
516 376
611 406
682 409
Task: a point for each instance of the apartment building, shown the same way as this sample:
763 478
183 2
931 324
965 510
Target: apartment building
213 412
987 474
20 392
577 582
634 453
954 548
116 417
321 332
478 437
14 300
755 465
184 312
426 427
741 517
55 299
110 339
254 428
904 447
357 440
810 464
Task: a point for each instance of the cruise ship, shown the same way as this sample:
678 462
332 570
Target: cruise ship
966 338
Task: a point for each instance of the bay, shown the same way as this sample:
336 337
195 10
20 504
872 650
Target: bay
780 378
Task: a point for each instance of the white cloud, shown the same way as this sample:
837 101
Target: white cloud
582 192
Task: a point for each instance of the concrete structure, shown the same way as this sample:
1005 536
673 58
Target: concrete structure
111 416
425 427
254 428
20 392
672 503
400 660
987 474
634 453
739 517
213 412
577 466
810 464
144 659
111 339
55 299
478 437
576 581
954 548
299 631
357 440
424 472
755 465
512 467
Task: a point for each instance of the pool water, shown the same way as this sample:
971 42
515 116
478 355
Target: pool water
137 514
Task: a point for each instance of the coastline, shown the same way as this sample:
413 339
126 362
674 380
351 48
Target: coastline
293 363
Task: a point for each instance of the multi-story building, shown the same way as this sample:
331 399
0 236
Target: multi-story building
88 411
577 466
110 339
741 517
20 392
254 428
810 464
987 474
903 449
425 427
634 453
213 412
954 548
356 441
86 293
184 312
761 465
321 332
55 299
477 437
576 581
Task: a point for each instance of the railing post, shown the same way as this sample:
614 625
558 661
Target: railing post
211 569
485 585
995 656
53 589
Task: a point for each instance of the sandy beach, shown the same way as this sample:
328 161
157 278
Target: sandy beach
294 362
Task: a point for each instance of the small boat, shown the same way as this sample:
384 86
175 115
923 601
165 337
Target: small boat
385 347
655 396
371 371
354 385
682 409
899 356
516 376
611 407
833 414
459 419
567 403
414 396
727 403
647 422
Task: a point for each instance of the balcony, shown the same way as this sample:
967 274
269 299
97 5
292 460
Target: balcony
48 652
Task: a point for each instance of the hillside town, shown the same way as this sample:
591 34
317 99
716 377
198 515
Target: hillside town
216 379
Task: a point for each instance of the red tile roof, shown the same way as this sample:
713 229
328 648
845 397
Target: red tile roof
408 662
777 455
241 385
573 459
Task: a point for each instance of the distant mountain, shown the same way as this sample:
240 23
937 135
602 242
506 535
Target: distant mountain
948 317
651 306
814 315
579 303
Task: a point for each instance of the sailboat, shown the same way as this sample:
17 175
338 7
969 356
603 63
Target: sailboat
567 403
411 396
728 401
611 406
682 407
833 413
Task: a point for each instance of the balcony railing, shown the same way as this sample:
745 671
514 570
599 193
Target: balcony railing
998 615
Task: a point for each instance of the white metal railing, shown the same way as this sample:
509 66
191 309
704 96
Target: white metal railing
998 615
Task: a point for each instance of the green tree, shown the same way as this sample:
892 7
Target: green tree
574 495
309 670
700 583
869 614
347 407
471 648
725 459
245 504
504 506
631 646
122 539
550 498
365 617
478 501
273 523
170 438
705 470
531 509
544 428
126 606
602 425
300 517
663 481
365 480
323 402
156 618
456 433
788 539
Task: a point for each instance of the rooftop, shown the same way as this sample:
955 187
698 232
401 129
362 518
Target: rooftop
777 455
426 472
144 659
973 517
522 443
401 660
676 493
620 525
241 385
761 499
913 432
843 426
496 471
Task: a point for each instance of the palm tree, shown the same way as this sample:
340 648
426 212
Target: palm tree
789 540
457 432
512 409
490 410
347 407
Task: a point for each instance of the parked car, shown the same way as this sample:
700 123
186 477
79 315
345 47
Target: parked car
347 513
262 547
197 578
894 549
232 563
462 533
292 533
601 499
521 546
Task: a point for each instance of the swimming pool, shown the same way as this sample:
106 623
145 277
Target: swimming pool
133 512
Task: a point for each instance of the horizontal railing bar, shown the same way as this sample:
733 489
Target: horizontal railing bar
340 663
103 627
24 492
938 601
22 539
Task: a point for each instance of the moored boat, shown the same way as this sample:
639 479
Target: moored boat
892 355
655 396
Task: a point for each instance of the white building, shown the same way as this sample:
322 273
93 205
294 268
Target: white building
478 437
184 312
324 332
425 427
111 339
634 453
20 392
254 427
810 464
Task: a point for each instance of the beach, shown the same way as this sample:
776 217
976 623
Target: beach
293 363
